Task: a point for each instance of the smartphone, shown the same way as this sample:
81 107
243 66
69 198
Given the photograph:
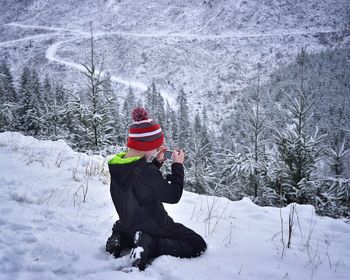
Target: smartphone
168 154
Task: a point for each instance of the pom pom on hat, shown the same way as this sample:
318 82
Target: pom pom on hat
144 134
139 114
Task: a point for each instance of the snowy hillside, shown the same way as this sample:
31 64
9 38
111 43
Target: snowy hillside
211 48
48 232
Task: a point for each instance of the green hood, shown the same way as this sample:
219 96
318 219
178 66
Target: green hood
119 159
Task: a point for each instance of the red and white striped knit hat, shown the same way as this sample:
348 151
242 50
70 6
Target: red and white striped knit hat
144 133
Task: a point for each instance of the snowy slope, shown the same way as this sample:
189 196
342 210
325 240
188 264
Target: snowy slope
211 48
48 232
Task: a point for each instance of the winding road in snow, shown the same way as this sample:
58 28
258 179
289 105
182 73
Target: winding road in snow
51 52
51 55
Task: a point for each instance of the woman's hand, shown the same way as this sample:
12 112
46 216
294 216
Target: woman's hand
160 154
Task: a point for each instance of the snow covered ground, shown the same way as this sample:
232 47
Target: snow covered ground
48 232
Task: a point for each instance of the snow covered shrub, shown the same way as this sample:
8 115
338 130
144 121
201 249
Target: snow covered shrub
7 117
337 197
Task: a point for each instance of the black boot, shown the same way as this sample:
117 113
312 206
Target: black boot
114 243
145 248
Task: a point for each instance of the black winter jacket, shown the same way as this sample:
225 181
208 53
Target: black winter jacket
150 189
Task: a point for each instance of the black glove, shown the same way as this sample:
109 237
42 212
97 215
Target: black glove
169 177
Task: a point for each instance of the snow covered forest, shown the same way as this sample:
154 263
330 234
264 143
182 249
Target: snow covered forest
281 142
257 93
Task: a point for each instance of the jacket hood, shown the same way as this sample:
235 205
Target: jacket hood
120 168
119 159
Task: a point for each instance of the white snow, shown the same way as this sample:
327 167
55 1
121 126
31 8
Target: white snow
79 35
52 50
51 55
48 232
17 24
136 253
209 48
238 35
28 38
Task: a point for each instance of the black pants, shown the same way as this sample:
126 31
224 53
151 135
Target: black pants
179 241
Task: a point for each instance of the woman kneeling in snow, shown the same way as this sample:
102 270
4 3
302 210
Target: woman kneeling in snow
138 190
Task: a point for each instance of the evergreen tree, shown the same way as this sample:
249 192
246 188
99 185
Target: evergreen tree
108 130
112 114
336 188
184 121
299 150
155 104
200 166
174 126
337 151
130 98
8 99
128 105
255 125
48 110
336 157
170 126
7 116
77 125
110 124
231 170
30 120
55 109
7 89
206 136
167 123
160 110
151 101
